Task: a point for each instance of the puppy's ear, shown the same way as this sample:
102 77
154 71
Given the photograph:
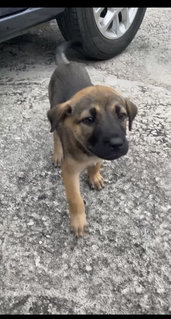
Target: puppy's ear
131 111
58 113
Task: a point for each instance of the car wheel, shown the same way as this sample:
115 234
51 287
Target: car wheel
103 32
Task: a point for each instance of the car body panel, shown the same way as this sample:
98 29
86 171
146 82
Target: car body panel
14 23
8 11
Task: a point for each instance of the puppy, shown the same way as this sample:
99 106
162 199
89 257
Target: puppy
88 124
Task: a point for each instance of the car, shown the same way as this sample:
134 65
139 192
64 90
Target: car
103 32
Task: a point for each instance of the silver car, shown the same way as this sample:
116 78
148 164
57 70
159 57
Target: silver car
103 32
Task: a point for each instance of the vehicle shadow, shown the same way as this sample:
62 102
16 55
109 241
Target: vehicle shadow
38 46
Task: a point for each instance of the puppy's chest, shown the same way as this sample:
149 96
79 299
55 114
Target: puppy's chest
84 164
81 163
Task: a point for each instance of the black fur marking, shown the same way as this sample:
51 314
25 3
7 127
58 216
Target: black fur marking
93 112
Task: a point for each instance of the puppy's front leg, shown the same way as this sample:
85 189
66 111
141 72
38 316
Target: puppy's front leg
76 204
58 150
95 178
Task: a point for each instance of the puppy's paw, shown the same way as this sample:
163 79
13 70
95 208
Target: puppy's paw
79 224
96 181
57 158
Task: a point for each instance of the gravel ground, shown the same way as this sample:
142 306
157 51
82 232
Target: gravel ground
123 265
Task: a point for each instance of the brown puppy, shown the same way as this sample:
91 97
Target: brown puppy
89 124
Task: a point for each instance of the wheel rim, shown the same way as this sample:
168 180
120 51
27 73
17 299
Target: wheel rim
114 22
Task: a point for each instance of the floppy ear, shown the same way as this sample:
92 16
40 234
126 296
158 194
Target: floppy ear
58 113
131 111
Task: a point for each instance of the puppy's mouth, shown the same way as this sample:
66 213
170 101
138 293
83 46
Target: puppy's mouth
109 155
101 152
114 156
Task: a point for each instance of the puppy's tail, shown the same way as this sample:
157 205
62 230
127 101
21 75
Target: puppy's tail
61 51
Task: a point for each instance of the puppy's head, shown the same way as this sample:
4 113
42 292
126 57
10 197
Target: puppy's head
97 118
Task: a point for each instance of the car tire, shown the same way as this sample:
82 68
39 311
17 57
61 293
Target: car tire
79 24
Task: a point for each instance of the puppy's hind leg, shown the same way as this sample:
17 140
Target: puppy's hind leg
58 150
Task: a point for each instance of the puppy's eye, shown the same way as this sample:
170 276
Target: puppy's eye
88 120
122 116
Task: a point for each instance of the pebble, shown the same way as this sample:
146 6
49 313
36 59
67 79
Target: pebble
31 222
88 268
138 290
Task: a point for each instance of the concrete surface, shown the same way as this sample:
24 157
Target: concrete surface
123 265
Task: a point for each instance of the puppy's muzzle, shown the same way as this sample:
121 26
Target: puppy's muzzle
115 148
108 143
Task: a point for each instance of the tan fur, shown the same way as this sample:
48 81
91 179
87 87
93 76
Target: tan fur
58 150
71 155
95 179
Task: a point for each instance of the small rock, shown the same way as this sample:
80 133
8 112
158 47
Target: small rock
125 291
88 268
138 290
31 222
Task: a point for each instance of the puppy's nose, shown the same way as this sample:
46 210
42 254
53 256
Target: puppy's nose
115 142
